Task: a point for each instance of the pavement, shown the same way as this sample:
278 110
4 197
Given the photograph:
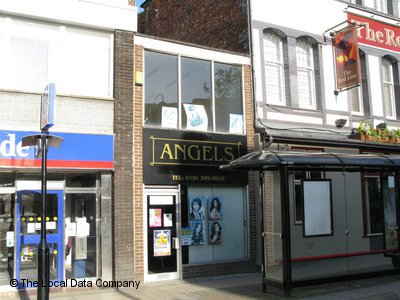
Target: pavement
238 286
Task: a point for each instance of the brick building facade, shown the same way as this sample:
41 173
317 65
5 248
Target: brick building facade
136 180
218 24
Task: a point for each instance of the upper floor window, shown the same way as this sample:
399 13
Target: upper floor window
359 96
356 100
193 94
397 3
33 54
379 5
274 69
388 88
305 74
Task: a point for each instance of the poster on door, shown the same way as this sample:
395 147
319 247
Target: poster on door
155 217
162 242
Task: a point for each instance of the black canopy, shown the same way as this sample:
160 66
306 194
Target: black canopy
270 160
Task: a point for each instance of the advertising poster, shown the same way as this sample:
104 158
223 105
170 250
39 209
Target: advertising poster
186 236
196 208
162 242
196 117
169 117
155 217
235 123
215 233
215 208
198 232
347 60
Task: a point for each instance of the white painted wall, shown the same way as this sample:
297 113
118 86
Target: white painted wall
312 17
104 14
21 111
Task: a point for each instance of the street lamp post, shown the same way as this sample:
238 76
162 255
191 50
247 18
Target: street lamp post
43 251
44 140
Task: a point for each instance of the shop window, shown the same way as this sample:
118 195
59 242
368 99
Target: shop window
7 179
305 74
33 53
373 205
274 69
80 180
205 96
196 94
80 236
228 98
161 89
218 227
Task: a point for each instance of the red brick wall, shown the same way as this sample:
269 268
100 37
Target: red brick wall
220 24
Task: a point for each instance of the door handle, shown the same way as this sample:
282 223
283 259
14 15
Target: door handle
346 232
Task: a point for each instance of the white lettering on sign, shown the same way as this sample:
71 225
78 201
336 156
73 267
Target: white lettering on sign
9 148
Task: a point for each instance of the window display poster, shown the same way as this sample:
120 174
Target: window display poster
235 123
196 117
198 233
215 233
196 206
162 242
215 208
155 217
169 117
186 236
317 207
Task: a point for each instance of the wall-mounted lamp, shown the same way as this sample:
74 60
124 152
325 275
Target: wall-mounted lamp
340 123
381 126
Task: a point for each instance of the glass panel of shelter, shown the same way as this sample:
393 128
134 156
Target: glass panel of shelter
364 235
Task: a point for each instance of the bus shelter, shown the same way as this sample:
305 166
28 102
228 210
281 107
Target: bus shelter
325 216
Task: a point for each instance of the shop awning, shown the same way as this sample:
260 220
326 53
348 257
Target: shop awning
272 160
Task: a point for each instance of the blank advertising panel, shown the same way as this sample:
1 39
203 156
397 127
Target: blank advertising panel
317 207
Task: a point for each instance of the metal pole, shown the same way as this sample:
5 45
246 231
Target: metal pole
43 251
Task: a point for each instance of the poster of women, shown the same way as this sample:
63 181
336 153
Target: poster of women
215 208
215 233
198 233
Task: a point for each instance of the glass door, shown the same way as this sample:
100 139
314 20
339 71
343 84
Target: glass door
28 234
163 253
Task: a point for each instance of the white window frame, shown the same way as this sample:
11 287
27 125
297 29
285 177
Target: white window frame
309 69
278 64
378 5
356 92
386 63
58 68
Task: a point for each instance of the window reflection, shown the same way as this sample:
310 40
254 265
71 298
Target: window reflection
211 93
161 88
228 98
196 89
